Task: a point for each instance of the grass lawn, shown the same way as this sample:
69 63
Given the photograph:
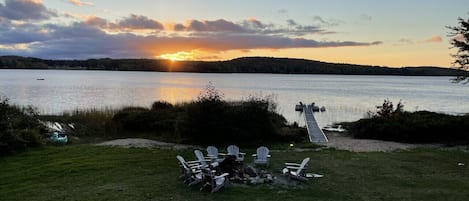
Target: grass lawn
85 172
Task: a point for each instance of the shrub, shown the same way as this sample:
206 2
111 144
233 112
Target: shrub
247 122
416 127
161 105
19 128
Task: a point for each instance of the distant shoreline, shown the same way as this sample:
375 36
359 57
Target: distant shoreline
240 65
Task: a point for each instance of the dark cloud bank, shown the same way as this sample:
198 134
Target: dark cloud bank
23 22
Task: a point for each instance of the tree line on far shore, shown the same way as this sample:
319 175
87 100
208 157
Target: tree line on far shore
239 65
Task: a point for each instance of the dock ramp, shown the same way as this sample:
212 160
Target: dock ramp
315 133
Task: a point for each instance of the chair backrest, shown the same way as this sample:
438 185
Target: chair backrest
182 161
302 166
233 150
213 151
262 152
200 157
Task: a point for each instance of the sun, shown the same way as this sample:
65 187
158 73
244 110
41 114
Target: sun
178 56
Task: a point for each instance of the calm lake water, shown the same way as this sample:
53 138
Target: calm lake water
345 97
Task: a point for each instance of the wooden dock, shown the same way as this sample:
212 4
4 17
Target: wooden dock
315 133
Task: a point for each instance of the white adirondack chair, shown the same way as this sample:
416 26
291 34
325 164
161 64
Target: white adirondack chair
205 162
261 157
190 171
215 182
296 170
234 151
212 153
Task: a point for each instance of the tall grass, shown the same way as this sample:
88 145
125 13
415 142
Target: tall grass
199 122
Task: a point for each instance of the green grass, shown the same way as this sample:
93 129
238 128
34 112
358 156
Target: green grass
85 172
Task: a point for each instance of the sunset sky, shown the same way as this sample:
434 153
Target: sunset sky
375 32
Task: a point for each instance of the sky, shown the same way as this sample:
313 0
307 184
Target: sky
372 32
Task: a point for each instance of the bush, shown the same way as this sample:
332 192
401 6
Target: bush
416 127
161 105
19 128
248 123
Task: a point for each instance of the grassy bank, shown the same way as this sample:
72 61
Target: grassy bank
85 172
205 121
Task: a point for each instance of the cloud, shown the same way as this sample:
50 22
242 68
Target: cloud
26 10
80 3
21 34
219 25
319 20
434 39
248 26
81 40
407 41
94 37
132 22
137 22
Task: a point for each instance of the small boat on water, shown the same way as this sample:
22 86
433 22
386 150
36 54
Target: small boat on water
40 79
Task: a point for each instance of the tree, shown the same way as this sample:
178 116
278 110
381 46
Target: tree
460 40
387 109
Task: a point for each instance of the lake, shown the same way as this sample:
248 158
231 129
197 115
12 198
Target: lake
346 97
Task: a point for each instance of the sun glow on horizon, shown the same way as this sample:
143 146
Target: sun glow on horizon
178 56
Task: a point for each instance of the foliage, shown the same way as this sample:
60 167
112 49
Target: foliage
460 41
247 122
387 110
161 105
210 94
19 128
414 127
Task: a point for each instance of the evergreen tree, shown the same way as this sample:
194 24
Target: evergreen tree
460 40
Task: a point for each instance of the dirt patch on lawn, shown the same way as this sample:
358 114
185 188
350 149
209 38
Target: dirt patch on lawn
344 142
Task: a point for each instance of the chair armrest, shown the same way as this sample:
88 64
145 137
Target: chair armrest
294 167
254 155
242 153
292 164
223 154
196 167
192 162
222 175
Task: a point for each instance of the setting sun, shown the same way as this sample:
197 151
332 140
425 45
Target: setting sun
178 56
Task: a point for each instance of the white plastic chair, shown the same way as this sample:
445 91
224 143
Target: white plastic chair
296 170
190 171
212 153
261 157
234 151
205 162
216 182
